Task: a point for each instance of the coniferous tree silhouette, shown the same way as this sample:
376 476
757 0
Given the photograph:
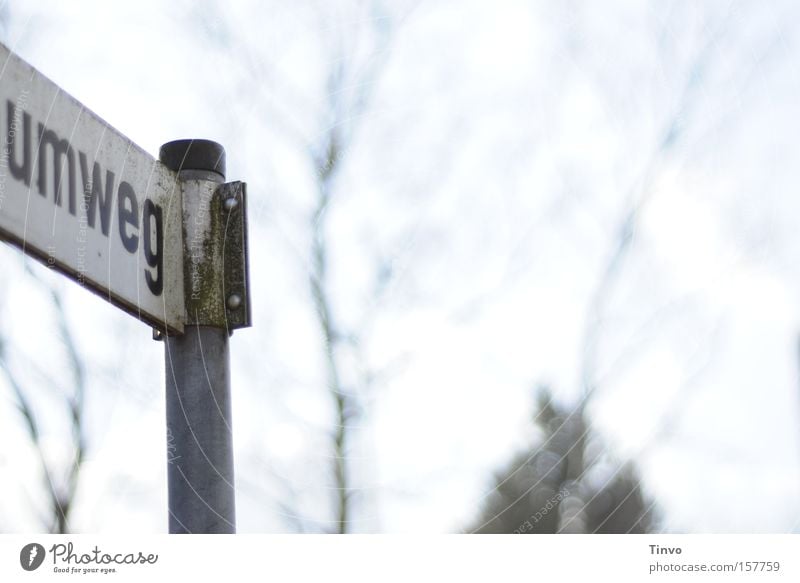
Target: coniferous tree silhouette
565 483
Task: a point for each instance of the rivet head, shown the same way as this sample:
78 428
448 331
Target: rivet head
230 203
234 300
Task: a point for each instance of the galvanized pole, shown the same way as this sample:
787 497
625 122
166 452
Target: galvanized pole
199 436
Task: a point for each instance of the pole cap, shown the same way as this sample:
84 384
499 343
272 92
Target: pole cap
193 155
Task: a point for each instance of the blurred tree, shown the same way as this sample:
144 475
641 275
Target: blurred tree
564 485
355 37
349 85
60 480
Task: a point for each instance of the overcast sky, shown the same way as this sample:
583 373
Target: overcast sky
503 148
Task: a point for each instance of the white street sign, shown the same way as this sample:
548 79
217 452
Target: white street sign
82 198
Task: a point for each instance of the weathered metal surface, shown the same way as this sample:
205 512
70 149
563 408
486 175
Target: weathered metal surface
215 248
200 472
235 255
82 198
202 498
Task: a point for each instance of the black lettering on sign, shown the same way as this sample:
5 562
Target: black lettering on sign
62 152
19 171
128 212
94 195
57 155
155 260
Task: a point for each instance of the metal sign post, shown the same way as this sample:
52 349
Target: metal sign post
164 240
200 450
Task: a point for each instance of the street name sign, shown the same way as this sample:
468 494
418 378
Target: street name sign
85 200
82 198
